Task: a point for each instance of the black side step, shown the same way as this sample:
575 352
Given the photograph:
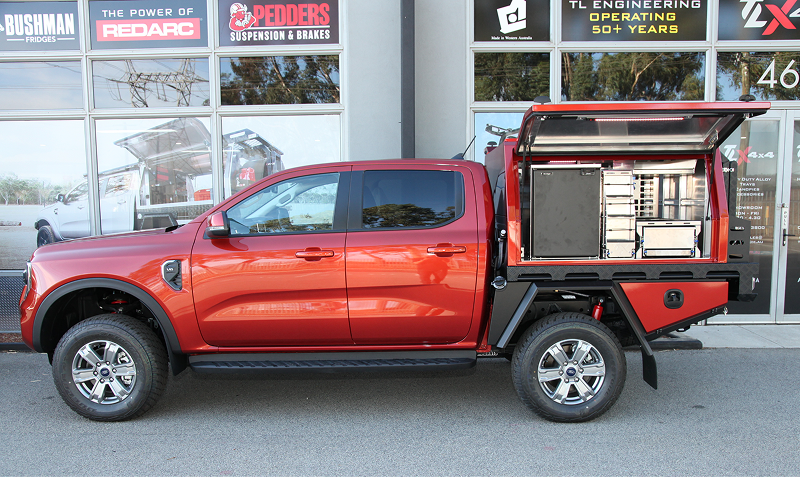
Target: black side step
287 362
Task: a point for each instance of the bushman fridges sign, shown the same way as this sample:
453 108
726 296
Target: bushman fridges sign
280 22
39 26
148 24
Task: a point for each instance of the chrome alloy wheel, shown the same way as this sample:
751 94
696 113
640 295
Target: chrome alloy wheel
103 372
571 372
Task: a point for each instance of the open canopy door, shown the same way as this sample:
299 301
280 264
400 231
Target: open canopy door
631 128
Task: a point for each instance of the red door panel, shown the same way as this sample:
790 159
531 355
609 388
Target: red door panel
256 291
647 299
413 286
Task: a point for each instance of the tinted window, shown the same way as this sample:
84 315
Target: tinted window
411 198
143 83
119 184
81 192
303 204
633 76
41 85
311 79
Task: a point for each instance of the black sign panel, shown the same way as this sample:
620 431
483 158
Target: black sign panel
39 26
148 24
512 20
759 20
281 22
634 20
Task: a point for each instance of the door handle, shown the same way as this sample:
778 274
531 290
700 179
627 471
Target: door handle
313 254
786 234
446 249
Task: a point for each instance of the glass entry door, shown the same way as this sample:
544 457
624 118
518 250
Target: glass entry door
788 302
765 152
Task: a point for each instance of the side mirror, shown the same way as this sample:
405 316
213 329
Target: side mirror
60 198
218 226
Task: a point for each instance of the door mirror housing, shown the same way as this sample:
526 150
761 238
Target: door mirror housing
60 198
218 225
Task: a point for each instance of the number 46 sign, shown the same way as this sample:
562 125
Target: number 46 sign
788 77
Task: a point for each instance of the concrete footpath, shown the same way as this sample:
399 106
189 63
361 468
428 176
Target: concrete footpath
746 336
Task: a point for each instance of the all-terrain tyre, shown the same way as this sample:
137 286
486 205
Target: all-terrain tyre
110 368
568 367
45 235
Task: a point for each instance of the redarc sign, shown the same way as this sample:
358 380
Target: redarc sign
278 23
148 24
39 26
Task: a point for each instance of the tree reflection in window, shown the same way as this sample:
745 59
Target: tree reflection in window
405 215
393 199
310 79
633 76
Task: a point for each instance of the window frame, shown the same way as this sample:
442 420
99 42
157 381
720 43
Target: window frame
339 211
355 216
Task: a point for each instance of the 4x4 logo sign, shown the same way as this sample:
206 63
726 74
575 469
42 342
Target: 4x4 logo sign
781 17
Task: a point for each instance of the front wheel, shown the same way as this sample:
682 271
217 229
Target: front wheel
45 235
569 367
110 368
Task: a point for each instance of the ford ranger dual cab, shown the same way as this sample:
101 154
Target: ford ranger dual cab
599 226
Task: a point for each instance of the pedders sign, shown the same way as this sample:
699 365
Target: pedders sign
285 22
148 24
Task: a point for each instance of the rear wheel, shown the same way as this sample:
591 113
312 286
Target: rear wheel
569 367
110 368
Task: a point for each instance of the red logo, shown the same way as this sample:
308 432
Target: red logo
241 19
154 29
780 17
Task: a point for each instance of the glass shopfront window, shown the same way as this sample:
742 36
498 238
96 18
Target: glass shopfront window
511 76
152 173
42 165
753 149
770 76
312 79
492 128
163 82
40 85
255 147
633 76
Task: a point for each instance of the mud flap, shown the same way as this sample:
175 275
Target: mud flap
649 368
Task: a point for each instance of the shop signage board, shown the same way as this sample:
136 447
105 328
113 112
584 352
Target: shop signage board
512 20
148 24
634 20
281 22
35 26
759 20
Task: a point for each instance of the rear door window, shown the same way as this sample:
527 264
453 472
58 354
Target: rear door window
411 199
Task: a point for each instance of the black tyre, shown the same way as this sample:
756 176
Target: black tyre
45 235
110 368
568 367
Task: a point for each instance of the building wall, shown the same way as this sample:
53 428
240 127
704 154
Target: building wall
467 75
372 53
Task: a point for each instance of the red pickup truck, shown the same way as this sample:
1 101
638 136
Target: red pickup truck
600 226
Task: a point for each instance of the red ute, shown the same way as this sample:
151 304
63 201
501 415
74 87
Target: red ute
598 226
